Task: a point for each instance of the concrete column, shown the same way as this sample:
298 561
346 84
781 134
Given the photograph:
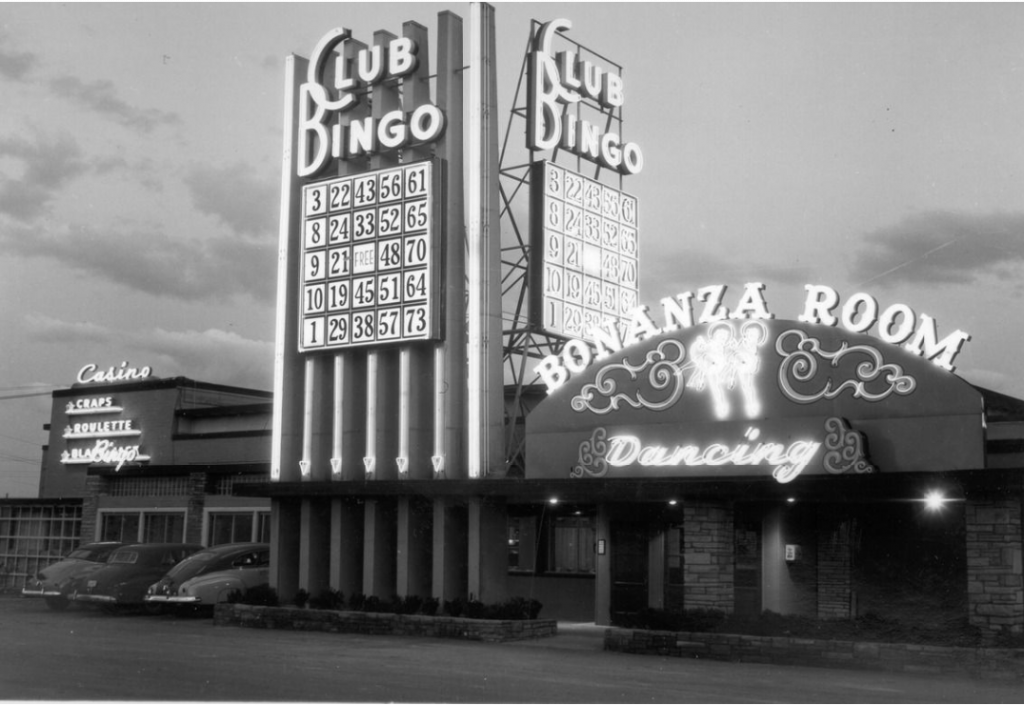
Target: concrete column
285 531
602 568
995 590
656 571
488 549
708 555
379 545
415 534
450 550
346 552
314 545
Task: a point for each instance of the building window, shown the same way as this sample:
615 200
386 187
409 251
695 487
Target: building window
572 545
164 528
143 527
34 536
235 527
148 487
120 527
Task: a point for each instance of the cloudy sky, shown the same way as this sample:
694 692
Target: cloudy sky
873 148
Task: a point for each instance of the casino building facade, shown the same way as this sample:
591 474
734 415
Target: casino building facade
136 458
710 454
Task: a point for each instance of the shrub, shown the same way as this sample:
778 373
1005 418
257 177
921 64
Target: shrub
430 606
375 604
357 602
261 595
328 599
454 608
301 598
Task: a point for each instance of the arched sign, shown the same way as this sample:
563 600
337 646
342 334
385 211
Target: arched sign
756 397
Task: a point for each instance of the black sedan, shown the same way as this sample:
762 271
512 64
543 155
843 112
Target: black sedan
130 570
54 581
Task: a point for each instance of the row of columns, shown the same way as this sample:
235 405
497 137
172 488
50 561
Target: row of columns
442 548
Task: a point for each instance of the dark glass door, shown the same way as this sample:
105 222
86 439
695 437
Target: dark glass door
747 576
629 557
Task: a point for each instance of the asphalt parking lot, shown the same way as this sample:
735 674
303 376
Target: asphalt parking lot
86 654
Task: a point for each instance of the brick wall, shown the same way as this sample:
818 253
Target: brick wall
708 551
196 504
94 487
995 592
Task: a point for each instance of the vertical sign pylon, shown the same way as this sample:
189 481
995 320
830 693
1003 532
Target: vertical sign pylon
485 384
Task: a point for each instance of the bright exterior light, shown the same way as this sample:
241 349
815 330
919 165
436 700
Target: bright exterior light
790 499
553 500
934 500
672 502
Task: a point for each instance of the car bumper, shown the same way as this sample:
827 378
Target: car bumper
99 599
41 592
172 599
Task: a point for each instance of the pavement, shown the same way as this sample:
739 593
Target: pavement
85 654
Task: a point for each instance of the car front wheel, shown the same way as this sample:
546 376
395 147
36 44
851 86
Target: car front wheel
57 604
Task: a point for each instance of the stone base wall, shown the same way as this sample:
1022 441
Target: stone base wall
995 588
708 555
1001 664
381 624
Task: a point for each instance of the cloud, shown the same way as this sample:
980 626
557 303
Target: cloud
212 355
15 65
671 273
101 97
51 330
217 356
48 164
231 194
942 247
165 266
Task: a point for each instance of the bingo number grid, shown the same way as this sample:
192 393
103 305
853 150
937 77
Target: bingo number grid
369 255
584 251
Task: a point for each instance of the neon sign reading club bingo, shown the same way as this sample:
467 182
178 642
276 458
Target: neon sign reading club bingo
897 324
319 140
558 80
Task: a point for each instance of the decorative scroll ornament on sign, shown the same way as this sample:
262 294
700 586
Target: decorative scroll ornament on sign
800 365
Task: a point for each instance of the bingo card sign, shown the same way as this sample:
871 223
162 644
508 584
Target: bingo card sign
584 252
370 258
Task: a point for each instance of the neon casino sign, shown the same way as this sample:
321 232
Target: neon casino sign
723 388
319 103
558 80
897 324
108 434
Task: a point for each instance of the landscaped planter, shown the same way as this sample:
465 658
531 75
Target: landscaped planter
348 622
1004 664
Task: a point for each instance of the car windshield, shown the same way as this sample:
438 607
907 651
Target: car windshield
92 553
124 557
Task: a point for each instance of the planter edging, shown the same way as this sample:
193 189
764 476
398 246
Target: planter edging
382 623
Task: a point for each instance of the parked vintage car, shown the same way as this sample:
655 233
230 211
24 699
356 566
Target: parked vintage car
212 575
128 572
53 582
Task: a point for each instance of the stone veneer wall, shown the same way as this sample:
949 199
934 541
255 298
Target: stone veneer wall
835 580
377 623
708 555
995 589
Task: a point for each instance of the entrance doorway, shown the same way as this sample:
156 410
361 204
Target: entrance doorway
747 576
629 568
